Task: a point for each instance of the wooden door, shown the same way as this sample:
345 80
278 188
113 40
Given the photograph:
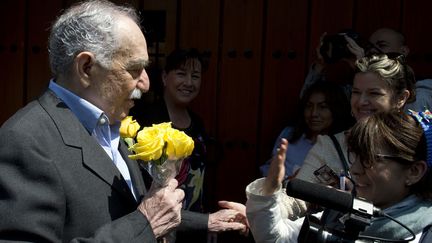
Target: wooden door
330 16
12 56
198 27
370 15
285 53
41 15
238 96
416 29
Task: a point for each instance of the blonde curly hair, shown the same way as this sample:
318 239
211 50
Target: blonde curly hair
393 71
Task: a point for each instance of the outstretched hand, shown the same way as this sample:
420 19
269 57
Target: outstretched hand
231 218
276 172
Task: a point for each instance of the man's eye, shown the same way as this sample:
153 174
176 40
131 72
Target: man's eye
381 46
135 72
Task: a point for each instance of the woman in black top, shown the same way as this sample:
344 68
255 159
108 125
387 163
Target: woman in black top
181 79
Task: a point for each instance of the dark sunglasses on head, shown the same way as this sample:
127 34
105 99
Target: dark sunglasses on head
397 56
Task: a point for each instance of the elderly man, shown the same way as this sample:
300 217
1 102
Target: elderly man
64 174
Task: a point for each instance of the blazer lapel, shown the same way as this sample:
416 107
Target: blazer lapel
74 134
134 171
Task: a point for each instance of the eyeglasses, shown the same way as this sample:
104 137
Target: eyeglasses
353 157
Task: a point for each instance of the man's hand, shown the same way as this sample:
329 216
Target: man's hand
276 172
233 217
162 208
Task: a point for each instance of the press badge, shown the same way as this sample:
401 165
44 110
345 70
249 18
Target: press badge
327 175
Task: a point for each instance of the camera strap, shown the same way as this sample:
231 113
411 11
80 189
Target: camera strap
341 155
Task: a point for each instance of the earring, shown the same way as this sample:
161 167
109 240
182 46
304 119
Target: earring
408 183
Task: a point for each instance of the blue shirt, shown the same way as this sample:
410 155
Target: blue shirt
97 123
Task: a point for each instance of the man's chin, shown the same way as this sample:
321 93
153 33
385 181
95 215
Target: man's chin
130 104
122 115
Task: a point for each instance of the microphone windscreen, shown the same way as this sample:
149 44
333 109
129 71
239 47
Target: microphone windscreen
319 194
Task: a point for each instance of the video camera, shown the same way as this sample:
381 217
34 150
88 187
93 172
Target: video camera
354 213
313 230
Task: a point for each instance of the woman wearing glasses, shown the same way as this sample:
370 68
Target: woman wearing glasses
383 83
391 167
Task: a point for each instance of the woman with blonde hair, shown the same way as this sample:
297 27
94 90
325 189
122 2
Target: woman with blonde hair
382 84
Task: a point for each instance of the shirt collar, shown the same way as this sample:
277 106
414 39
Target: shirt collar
88 114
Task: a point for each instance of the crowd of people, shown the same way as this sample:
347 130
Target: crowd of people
65 174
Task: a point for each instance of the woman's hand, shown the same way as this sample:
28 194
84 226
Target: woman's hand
240 216
276 172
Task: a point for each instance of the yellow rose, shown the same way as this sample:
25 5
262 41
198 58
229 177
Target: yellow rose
150 144
129 127
179 145
163 125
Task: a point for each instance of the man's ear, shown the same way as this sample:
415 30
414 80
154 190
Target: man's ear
416 172
405 50
83 64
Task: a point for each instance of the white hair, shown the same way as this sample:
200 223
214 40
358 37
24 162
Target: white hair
88 26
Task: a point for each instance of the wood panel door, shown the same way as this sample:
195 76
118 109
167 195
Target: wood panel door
198 27
168 9
41 15
371 15
12 56
416 29
283 69
329 16
238 94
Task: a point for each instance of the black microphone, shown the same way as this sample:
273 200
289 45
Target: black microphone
330 198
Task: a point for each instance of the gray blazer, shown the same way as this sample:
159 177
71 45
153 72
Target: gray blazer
57 184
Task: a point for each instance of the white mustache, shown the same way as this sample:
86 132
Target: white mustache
136 94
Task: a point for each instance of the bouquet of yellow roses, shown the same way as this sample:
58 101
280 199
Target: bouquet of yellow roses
160 147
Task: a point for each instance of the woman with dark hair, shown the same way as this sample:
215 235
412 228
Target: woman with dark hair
181 81
391 167
324 109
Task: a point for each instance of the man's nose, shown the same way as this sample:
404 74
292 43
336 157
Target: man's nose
143 82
